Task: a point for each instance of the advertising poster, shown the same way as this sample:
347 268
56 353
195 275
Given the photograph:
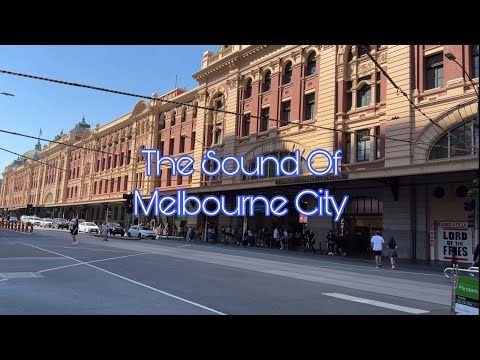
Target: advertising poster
454 240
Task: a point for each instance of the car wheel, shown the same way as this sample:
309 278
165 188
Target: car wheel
139 235
123 234
128 234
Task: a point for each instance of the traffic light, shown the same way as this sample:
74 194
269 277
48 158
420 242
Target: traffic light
128 202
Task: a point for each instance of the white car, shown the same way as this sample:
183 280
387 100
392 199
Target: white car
46 222
141 232
88 227
13 219
35 220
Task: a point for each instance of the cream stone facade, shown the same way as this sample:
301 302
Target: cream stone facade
290 97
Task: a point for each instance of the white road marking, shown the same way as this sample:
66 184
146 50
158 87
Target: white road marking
132 281
3 279
377 303
84 248
89 262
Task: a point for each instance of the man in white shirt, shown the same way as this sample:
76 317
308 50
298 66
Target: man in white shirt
377 246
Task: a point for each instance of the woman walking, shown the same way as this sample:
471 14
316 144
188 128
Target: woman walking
74 231
392 251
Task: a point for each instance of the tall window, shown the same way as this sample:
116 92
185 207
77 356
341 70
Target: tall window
162 147
264 119
170 149
377 87
174 114
268 81
309 106
182 144
363 96
125 183
192 145
377 143
285 113
218 136
246 125
194 111
363 145
118 183
184 115
457 142
129 156
349 95
162 122
474 61
434 71
248 89
179 179
169 177
311 64
348 147
288 73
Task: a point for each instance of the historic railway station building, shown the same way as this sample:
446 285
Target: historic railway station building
398 182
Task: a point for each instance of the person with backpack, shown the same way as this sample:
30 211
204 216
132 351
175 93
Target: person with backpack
392 251
74 232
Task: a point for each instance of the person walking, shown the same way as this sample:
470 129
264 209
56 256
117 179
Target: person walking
475 256
74 232
392 251
105 231
377 246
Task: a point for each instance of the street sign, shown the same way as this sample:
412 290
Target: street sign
303 219
466 296
454 241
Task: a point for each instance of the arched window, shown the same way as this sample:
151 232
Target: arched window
459 141
288 73
184 115
248 89
161 126
174 114
267 81
311 64
270 166
362 51
350 54
363 96
194 112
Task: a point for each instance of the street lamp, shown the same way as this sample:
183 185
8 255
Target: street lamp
451 57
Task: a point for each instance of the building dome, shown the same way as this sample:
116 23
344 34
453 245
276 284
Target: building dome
81 127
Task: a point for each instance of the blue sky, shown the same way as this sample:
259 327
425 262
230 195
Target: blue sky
52 107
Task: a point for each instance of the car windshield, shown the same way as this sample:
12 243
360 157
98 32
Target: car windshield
89 224
116 225
48 220
144 228
36 218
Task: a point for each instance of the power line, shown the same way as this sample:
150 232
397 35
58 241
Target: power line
405 94
226 111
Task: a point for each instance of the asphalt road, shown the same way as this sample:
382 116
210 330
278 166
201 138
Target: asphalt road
43 273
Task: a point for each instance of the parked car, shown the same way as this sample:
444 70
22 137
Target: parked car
70 224
60 223
46 222
13 219
88 227
36 220
141 232
116 228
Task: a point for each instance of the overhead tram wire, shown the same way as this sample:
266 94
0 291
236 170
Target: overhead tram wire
217 110
409 100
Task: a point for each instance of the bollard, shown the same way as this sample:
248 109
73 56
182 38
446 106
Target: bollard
23 227
31 227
